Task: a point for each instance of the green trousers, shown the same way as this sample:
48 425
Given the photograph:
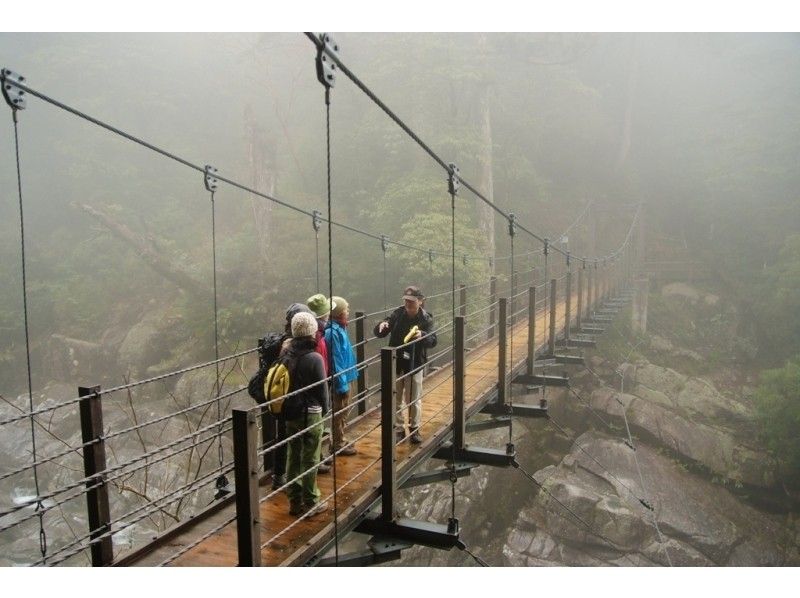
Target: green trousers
303 454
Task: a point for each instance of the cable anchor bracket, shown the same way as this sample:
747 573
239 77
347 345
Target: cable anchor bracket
546 246
14 95
326 68
316 220
453 180
512 224
384 243
210 178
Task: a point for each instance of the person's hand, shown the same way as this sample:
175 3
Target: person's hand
383 326
418 335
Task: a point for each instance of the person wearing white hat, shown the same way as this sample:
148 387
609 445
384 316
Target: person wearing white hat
304 413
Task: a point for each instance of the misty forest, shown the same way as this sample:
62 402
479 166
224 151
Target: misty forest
686 146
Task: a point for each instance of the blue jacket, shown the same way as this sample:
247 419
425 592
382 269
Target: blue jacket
343 356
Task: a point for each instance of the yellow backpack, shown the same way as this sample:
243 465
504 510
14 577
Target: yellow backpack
276 386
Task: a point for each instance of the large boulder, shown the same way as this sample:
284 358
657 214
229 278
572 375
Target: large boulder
152 340
599 482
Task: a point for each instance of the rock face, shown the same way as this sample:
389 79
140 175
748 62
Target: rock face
690 417
700 523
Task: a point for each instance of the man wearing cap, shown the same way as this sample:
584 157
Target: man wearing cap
409 327
344 369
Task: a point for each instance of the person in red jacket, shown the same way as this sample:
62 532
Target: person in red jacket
321 307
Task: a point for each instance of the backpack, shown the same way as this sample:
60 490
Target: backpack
279 383
276 386
269 348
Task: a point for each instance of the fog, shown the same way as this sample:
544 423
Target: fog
702 128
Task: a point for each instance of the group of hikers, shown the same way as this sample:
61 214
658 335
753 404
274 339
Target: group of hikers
314 345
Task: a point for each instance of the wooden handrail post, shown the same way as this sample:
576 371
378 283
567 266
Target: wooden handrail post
551 342
361 356
459 372
388 408
462 300
531 330
568 312
492 301
502 351
245 471
94 464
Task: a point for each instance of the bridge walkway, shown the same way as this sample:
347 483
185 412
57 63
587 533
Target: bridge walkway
358 476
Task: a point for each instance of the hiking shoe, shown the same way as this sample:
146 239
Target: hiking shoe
346 451
415 437
278 481
309 510
400 435
323 468
296 508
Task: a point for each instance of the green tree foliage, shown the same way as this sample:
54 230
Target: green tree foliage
778 407
780 291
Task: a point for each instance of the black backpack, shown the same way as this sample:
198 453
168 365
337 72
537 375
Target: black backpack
269 348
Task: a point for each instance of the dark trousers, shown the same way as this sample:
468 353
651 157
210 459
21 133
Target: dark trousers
280 452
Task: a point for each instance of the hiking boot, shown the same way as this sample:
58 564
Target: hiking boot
400 435
324 468
309 510
415 437
346 451
296 508
278 481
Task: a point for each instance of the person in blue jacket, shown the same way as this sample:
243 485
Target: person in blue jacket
344 362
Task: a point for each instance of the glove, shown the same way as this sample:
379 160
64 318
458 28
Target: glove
411 334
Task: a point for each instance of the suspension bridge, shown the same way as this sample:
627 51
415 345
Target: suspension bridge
506 333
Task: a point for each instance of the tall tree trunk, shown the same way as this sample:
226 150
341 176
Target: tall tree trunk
633 75
486 184
261 158
148 251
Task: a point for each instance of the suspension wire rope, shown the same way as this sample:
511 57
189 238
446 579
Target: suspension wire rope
385 296
328 82
509 389
577 219
222 480
630 442
577 517
452 186
475 557
316 223
39 504
436 158
189 164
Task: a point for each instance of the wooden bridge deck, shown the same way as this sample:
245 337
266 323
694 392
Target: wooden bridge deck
359 476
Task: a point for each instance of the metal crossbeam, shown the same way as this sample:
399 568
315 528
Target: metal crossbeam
517 410
577 342
537 380
380 549
440 474
434 535
479 455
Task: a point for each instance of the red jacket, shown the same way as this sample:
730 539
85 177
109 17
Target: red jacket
322 349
